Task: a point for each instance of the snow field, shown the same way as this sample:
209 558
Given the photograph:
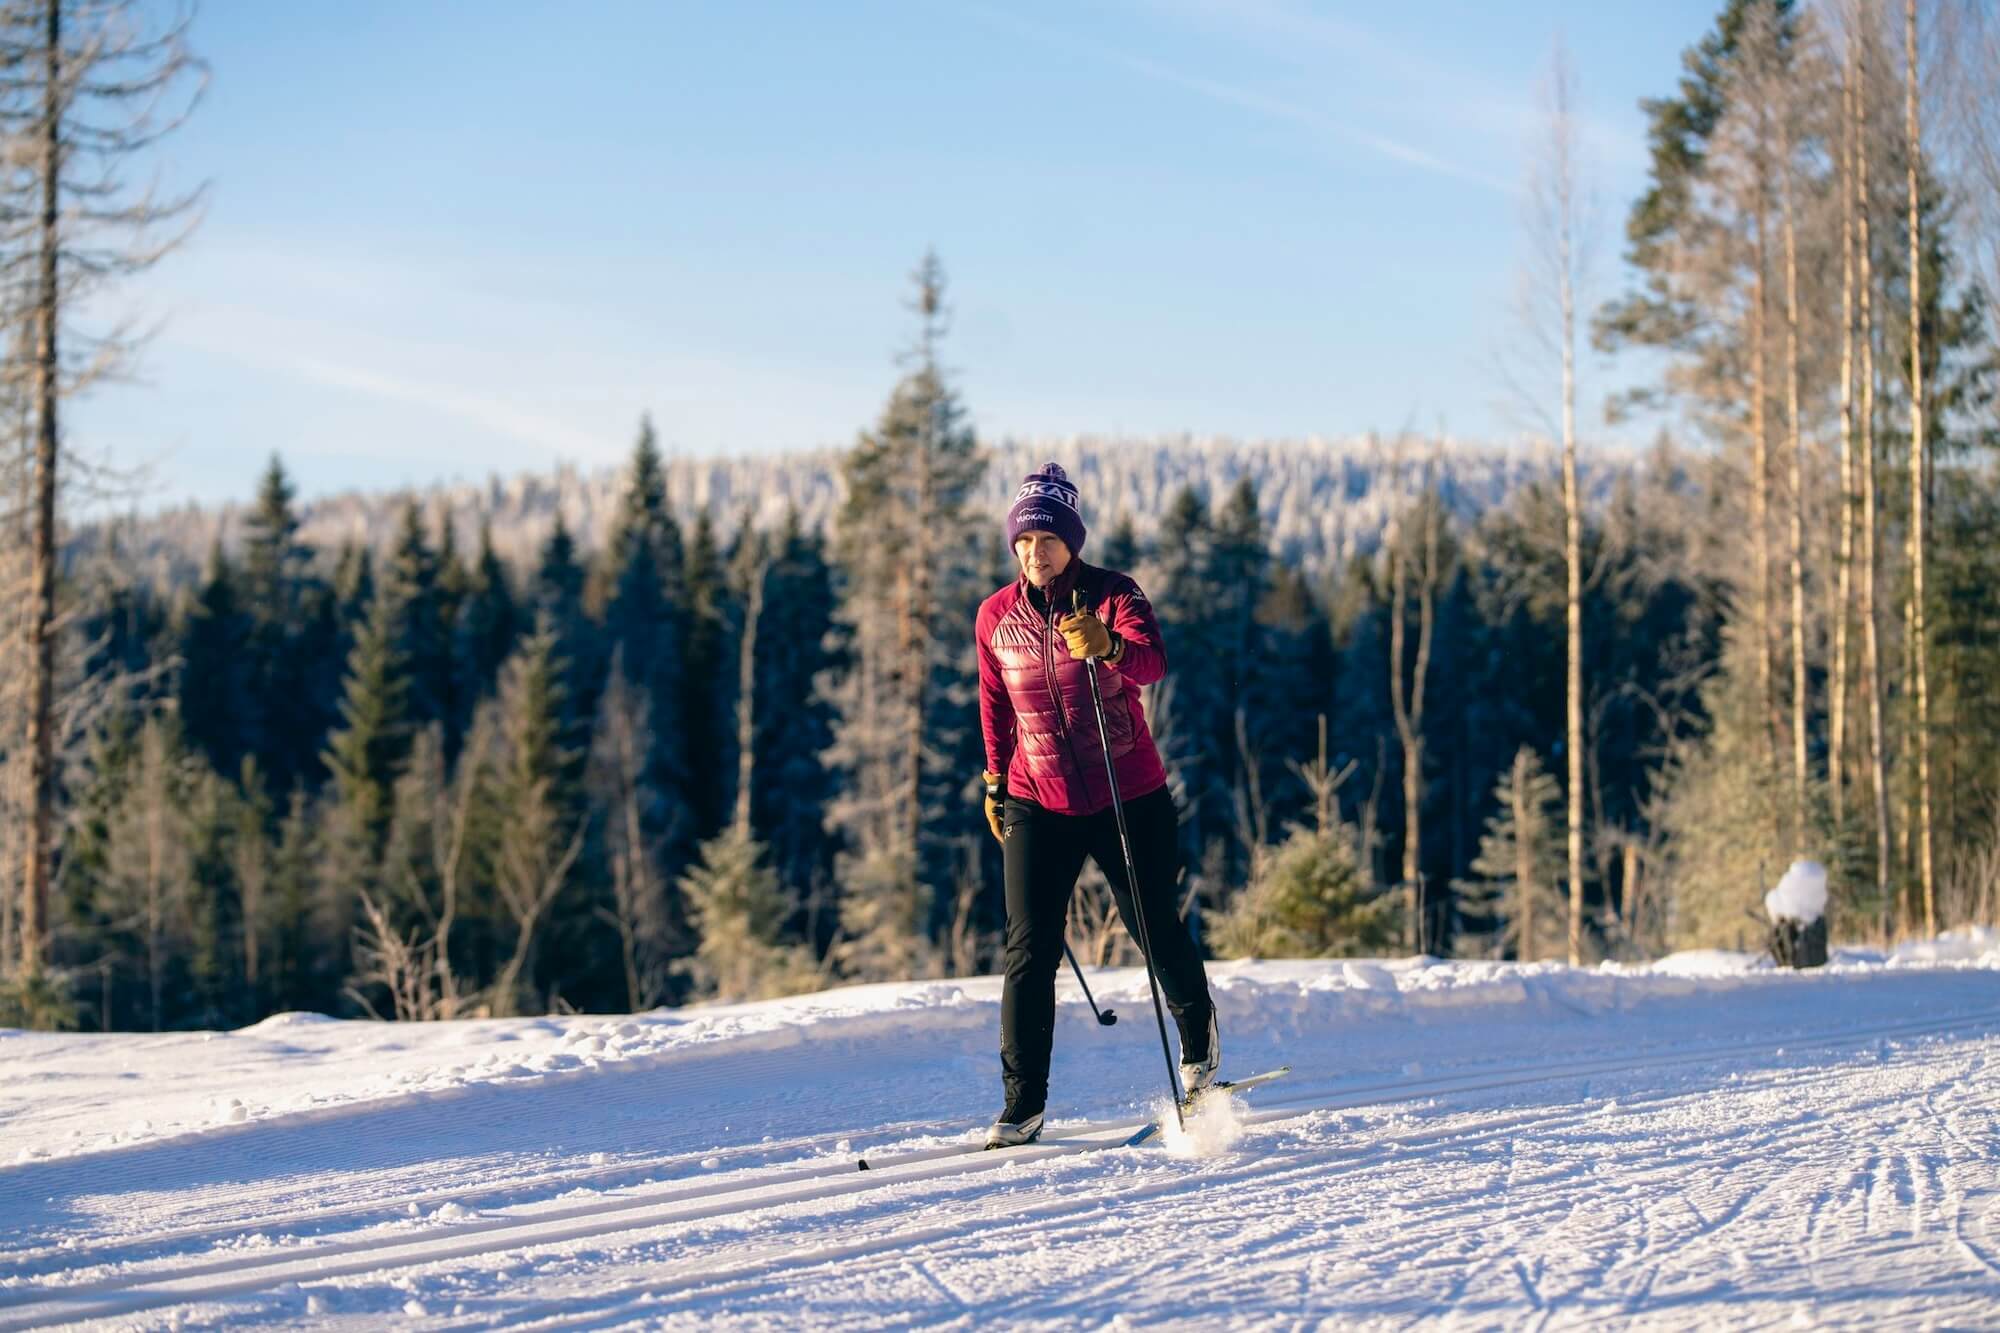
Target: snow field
1699 1142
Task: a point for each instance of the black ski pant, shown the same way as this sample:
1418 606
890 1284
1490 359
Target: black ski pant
1044 853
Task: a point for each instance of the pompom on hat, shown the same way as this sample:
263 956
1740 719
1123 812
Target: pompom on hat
1047 502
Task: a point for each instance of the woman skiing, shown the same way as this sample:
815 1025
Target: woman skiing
1048 798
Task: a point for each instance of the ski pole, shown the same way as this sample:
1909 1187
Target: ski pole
1105 1016
1132 877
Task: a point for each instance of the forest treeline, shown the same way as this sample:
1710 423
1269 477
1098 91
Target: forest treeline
727 751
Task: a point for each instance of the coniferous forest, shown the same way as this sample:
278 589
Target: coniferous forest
731 749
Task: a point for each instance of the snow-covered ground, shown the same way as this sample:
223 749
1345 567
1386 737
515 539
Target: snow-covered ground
1698 1143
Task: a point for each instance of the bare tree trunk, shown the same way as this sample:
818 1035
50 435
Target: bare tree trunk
1798 479
1844 596
1919 647
15 561
42 592
1572 555
1412 750
1871 555
1409 703
1561 187
1634 888
1760 483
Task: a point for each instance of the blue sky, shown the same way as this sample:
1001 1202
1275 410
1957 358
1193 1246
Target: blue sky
452 239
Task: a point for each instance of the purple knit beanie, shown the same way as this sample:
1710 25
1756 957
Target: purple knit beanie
1046 502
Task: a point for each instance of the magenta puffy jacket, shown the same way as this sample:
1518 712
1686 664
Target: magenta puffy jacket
1034 698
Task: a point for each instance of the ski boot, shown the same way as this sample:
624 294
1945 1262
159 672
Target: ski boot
1012 1130
1198 1073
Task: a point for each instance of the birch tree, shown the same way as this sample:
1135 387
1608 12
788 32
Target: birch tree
1416 542
1863 32
1843 604
1552 279
1919 455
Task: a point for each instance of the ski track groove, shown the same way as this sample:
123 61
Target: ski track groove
76 1257
1739 1211
350 1200
741 1281
147 1291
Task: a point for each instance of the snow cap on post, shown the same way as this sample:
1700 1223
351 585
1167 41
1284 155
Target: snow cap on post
1800 895
1047 502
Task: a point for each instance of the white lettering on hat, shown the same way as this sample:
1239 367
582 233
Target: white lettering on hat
1038 490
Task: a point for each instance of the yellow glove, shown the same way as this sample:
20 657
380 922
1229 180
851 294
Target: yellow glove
996 796
1087 635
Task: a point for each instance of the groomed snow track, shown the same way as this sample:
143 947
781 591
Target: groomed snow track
203 1265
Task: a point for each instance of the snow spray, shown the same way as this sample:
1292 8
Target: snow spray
1210 1128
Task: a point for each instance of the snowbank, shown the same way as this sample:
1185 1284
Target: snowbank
1979 945
69 1094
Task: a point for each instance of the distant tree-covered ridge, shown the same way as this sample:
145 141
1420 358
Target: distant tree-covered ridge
1321 500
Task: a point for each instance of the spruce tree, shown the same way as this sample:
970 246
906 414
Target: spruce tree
217 684
410 580
1520 865
1119 548
288 975
738 909
290 640
556 595
707 678
251 865
1245 729
487 626
902 691
646 630
1193 713
212 900
1308 899
367 751
274 563
453 590
542 827
794 720
353 583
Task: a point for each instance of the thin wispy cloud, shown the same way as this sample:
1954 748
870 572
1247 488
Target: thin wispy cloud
1285 31
475 408
1245 99
1318 122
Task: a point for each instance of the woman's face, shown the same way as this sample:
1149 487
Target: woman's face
1042 555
